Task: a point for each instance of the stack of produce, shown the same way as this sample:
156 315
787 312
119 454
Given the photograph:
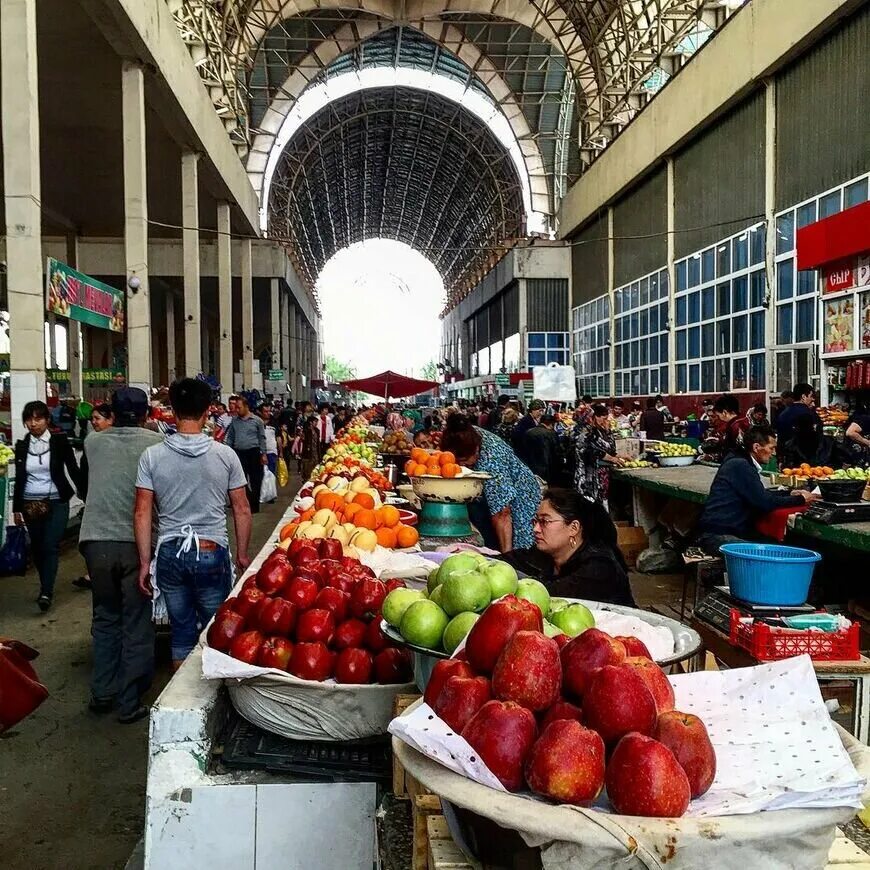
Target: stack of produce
338 476
351 513
398 443
666 450
833 416
349 451
565 718
819 472
637 463
849 474
314 613
7 455
460 590
431 463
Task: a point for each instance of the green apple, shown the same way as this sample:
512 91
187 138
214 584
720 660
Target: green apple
436 593
458 563
461 592
397 602
423 624
456 630
434 580
534 591
502 579
573 619
552 630
557 604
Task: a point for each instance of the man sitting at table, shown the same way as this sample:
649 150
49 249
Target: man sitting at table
738 497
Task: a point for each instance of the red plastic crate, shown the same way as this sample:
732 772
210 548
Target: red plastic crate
767 643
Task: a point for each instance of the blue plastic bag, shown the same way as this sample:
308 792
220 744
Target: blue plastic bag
13 553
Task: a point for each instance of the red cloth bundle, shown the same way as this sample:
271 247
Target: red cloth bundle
774 524
20 690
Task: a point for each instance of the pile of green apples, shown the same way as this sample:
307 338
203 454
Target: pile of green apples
637 463
460 589
7 455
850 474
666 449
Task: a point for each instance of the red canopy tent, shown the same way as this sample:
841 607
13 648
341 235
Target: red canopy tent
390 385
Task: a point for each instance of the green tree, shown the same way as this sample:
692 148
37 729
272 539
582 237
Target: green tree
337 371
429 372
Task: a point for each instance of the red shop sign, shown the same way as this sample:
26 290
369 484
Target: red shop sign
839 277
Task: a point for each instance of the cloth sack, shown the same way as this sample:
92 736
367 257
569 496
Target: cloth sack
269 490
20 690
13 554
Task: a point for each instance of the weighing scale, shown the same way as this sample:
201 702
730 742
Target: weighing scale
444 511
831 513
715 609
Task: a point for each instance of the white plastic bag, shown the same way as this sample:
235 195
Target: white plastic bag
269 489
555 383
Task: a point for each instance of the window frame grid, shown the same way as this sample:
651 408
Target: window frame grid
597 381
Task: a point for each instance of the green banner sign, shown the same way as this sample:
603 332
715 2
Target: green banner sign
275 375
502 380
99 376
71 294
57 374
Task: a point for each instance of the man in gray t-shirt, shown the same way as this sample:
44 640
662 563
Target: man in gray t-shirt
189 477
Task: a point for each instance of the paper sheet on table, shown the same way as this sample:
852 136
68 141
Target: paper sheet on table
659 639
776 746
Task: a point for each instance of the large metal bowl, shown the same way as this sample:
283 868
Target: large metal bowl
450 490
675 461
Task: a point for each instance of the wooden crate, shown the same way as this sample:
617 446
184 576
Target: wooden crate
400 704
632 540
443 853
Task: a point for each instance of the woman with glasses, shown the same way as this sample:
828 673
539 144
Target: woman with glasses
575 553
595 454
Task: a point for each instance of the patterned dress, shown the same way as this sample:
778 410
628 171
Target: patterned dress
512 486
591 478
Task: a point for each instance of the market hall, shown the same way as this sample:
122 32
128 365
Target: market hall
650 218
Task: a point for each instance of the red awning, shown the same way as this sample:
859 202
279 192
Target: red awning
390 385
835 238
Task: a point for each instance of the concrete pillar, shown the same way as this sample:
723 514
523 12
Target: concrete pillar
75 345
19 115
611 286
672 279
286 359
225 299
139 371
770 237
190 244
275 299
247 316
171 352
523 297
52 341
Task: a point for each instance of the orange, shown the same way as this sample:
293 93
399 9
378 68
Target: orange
351 510
451 469
320 500
418 470
787 471
410 465
434 469
419 455
289 530
434 458
406 536
386 537
389 516
364 499
447 458
306 515
365 519
828 470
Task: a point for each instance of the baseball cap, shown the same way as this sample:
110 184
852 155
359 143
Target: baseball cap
129 403
537 405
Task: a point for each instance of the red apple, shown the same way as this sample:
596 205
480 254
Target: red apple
562 709
343 581
686 736
656 681
331 549
502 733
528 671
310 572
246 646
305 556
395 583
460 699
566 763
228 606
496 626
350 633
644 779
276 555
333 600
634 646
376 640
561 640
534 617
315 625
354 666
250 583
311 661
297 545
275 653
443 670
618 701
367 597
584 655
330 566
394 666
271 577
348 562
301 592
248 600
276 616
225 628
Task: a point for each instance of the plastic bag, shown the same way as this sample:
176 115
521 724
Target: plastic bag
13 554
283 474
555 383
269 489
21 692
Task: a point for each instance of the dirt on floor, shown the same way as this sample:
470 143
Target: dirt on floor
72 784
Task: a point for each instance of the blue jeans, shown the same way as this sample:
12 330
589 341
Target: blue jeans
272 460
45 536
193 588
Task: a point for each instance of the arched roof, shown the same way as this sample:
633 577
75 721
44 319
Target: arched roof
404 164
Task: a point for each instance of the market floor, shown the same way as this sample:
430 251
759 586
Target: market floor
72 785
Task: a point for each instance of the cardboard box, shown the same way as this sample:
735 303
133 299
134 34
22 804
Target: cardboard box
628 448
632 540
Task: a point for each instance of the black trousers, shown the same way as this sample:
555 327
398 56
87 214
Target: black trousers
252 465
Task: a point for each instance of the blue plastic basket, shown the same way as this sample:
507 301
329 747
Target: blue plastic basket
769 573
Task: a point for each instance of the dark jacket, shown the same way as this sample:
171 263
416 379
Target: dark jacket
593 573
738 498
542 452
652 421
518 436
60 456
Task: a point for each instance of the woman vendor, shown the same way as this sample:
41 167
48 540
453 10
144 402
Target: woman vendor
575 554
511 496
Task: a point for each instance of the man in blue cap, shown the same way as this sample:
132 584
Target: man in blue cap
122 630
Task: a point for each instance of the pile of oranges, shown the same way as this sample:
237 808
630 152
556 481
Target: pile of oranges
437 464
361 512
807 470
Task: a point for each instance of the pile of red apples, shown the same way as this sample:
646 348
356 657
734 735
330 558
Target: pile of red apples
567 718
